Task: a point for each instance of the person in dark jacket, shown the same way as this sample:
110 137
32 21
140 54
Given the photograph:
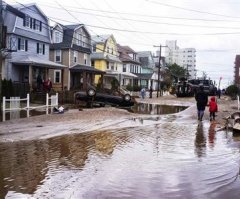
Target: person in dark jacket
202 101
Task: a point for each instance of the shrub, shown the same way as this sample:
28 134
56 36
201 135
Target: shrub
232 91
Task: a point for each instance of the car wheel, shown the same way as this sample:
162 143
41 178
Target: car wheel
91 92
127 97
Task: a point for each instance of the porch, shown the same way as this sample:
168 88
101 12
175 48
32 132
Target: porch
32 70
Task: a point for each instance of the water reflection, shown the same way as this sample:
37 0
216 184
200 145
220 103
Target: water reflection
153 161
21 114
156 109
200 141
211 134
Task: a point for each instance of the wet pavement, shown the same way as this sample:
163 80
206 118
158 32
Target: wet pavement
158 157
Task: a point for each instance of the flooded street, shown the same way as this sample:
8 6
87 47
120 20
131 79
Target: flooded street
162 158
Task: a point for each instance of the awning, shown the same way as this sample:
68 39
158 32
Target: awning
37 61
89 69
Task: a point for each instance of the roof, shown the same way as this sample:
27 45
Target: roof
144 75
37 61
99 56
116 73
89 69
22 6
124 56
68 32
100 38
126 49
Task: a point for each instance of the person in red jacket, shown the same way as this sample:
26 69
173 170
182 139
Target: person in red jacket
213 108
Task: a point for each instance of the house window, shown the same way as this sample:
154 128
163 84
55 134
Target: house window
22 44
124 68
75 56
112 67
37 25
58 55
26 21
40 48
107 49
57 76
107 65
57 37
85 58
93 63
94 48
78 39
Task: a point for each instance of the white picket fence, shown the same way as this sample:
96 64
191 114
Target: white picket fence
15 105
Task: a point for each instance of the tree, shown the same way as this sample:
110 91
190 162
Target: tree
232 91
176 72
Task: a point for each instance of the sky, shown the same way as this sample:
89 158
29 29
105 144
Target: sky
209 26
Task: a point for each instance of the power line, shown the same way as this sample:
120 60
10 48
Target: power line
143 15
151 22
191 10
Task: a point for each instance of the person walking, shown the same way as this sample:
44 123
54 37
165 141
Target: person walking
150 92
213 108
143 92
202 101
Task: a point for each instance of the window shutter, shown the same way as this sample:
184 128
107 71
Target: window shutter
19 43
44 49
31 22
40 26
24 20
26 45
34 24
37 48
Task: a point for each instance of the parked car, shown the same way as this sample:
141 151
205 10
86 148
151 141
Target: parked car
104 97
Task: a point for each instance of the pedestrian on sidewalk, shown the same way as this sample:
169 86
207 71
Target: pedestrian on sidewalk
143 93
219 93
202 101
213 108
150 92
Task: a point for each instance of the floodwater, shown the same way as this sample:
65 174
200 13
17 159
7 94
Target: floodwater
21 114
165 159
156 109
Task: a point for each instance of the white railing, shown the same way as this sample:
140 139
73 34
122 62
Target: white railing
15 105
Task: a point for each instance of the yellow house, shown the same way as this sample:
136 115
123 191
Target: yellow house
105 57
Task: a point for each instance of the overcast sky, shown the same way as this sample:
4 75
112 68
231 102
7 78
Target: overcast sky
212 27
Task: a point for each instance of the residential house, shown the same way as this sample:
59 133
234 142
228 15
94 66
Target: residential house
149 74
28 42
71 46
105 57
130 65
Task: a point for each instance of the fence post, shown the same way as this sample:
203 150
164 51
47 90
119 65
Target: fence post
28 104
47 101
56 99
238 101
4 108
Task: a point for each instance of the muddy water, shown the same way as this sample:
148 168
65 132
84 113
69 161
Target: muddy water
155 109
164 160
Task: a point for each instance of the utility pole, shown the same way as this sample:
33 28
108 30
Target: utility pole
1 46
159 67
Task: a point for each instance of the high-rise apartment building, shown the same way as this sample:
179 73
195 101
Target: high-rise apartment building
185 57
